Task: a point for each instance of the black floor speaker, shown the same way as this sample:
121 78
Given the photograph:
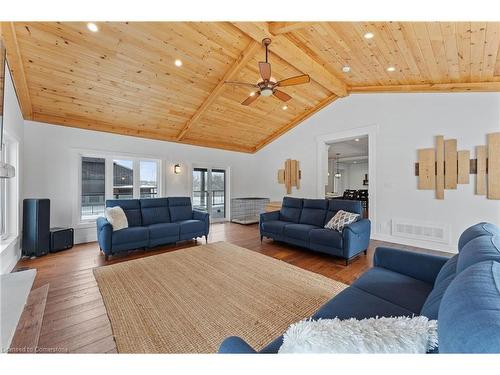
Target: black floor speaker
36 227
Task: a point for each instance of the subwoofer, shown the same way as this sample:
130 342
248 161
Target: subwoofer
36 227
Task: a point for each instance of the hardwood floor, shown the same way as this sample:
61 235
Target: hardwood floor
75 319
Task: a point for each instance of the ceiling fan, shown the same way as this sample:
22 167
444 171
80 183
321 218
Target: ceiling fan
268 85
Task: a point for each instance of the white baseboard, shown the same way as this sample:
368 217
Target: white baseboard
409 242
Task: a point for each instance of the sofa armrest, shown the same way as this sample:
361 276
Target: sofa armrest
203 216
424 267
104 234
235 345
356 237
268 216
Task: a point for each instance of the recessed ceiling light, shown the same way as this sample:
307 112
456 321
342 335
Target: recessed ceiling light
354 162
92 27
346 69
252 93
356 139
178 62
285 107
391 69
369 35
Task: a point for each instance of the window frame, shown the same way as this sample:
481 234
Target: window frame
108 178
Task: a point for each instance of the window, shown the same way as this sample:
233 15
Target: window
115 178
148 179
123 179
93 187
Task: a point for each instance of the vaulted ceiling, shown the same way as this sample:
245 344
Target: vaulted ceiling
122 79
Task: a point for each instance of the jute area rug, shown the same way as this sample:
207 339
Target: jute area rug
189 300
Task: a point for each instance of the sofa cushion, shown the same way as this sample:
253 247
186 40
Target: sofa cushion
313 212
132 209
480 229
327 237
478 250
192 226
335 205
449 268
356 303
130 235
291 209
274 226
469 316
298 231
162 230
431 305
180 208
154 211
395 287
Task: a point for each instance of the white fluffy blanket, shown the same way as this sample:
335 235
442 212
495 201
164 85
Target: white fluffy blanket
373 335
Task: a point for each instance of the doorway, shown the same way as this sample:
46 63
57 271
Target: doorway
209 192
323 143
348 171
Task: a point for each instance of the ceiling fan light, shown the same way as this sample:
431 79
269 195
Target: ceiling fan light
266 91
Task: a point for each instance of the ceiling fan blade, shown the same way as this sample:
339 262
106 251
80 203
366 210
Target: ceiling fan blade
251 98
242 84
282 95
265 70
297 80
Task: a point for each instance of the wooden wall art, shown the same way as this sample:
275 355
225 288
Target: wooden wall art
290 176
444 167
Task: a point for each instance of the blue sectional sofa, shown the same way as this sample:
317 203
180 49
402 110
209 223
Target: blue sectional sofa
301 222
461 292
152 222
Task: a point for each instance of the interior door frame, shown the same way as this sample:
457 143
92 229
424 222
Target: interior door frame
227 174
322 144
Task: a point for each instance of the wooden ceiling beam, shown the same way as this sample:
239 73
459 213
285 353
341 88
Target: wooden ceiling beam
294 56
16 67
241 61
429 87
296 121
277 28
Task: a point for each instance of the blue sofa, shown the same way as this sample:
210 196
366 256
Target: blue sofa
152 222
461 292
301 222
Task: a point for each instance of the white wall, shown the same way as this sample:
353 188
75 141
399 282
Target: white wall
405 122
10 250
356 175
51 160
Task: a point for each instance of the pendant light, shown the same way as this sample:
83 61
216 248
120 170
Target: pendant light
337 172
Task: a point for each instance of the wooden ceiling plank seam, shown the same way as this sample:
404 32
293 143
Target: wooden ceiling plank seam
491 50
478 32
448 31
16 67
425 47
463 49
293 55
277 28
299 119
239 63
438 49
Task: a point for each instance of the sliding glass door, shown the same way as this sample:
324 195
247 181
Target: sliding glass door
209 192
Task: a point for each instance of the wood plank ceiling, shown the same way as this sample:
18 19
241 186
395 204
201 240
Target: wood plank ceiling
122 79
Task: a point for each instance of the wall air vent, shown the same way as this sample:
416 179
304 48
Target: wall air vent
425 231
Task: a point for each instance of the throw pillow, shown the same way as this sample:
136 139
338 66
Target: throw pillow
341 219
116 217
373 335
